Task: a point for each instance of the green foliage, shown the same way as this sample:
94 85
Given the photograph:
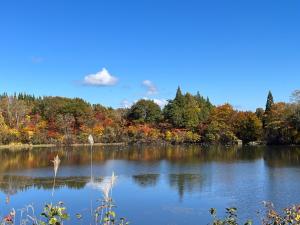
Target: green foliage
54 214
281 125
248 127
260 113
50 107
185 119
230 219
145 111
4 131
105 215
228 137
182 136
191 137
270 102
220 127
289 216
210 138
187 111
269 216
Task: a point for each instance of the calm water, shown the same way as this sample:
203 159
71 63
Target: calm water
156 185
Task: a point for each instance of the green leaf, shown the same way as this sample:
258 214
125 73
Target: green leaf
44 214
64 216
113 214
53 221
213 211
249 222
79 216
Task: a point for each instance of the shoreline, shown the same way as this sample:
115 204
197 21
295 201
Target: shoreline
31 146
20 147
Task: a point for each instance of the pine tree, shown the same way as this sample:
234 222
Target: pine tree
179 95
270 102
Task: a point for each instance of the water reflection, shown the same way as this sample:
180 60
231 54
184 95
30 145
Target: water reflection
278 156
185 183
11 185
200 178
146 180
41 158
178 157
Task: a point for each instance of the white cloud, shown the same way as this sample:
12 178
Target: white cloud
126 104
101 78
151 88
160 102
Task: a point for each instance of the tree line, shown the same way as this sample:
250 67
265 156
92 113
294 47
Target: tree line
187 118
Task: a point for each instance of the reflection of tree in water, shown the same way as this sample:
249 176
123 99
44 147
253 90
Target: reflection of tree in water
279 156
12 184
146 180
194 154
185 182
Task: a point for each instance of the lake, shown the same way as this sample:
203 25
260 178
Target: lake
166 185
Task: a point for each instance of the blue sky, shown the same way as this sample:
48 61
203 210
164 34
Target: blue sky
232 51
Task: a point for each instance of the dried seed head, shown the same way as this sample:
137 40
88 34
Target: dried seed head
56 163
91 139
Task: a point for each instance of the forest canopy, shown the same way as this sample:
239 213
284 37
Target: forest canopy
187 118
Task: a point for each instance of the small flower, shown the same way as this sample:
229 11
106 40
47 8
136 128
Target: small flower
8 219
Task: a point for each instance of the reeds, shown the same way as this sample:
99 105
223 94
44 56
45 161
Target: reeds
107 187
56 163
91 140
107 215
105 210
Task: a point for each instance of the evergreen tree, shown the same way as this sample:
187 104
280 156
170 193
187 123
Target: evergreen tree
191 112
205 107
187 111
269 105
179 95
270 102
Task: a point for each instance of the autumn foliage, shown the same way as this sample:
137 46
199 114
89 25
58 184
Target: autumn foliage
185 119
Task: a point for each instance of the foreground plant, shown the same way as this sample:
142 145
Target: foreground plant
289 216
54 214
104 213
269 216
51 215
230 219
56 162
10 218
